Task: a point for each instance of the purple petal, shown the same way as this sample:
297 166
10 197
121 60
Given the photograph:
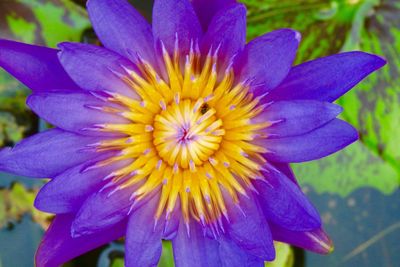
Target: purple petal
58 247
247 221
172 224
175 19
35 66
286 170
267 59
121 28
233 256
284 204
67 191
291 118
206 9
143 238
95 68
316 241
316 144
46 154
326 79
228 32
102 210
195 250
84 111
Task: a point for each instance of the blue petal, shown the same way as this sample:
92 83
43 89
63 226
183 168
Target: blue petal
248 228
143 238
290 118
233 256
316 144
267 59
316 240
95 68
228 32
206 10
175 19
58 247
36 67
196 250
67 192
101 211
83 111
47 154
284 204
327 78
121 28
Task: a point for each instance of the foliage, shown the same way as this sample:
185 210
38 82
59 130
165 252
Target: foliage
17 201
328 27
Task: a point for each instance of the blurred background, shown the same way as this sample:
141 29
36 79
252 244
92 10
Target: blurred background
356 190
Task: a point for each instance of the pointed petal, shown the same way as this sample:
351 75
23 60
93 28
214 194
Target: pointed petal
58 247
234 256
316 241
46 154
172 224
228 32
95 68
286 170
101 211
206 9
67 192
327 78
35 66
247 221
292 118
175 18
267 59
82 110
316 144
195 250
121 28
143 239
285 204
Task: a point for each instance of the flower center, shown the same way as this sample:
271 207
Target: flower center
187 134
190 136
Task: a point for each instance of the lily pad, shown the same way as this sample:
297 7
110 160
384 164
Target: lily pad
329 27
44 22
16 202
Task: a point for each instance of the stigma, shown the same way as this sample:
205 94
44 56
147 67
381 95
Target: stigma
189 137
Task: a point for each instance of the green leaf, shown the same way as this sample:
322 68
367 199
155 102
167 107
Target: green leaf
10 131
17 201
284 256
328 27
45 22
373 106
344 172
118 262
167 256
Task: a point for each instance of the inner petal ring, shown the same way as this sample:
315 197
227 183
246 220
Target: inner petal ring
187 134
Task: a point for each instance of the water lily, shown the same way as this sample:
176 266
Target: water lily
179 131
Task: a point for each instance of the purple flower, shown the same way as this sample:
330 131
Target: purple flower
179 131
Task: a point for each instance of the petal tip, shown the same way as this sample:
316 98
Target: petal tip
297 36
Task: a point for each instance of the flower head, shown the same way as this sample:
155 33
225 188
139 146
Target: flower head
181 132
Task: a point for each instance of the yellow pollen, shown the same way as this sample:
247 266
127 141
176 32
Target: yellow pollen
189 136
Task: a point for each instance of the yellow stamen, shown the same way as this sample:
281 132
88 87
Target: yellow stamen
190 136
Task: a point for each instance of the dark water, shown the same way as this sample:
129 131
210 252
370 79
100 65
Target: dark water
18 243
365 228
